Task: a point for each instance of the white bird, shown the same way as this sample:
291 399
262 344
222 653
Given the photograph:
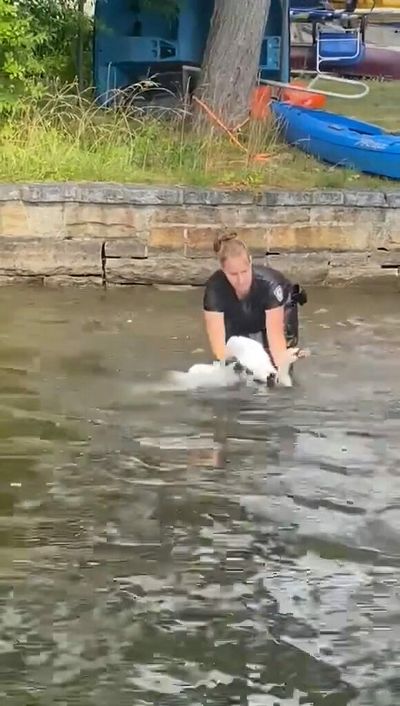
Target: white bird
245 358
252 355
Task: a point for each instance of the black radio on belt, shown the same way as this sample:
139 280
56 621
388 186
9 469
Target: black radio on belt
299 295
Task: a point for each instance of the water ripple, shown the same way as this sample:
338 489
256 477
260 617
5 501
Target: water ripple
192 548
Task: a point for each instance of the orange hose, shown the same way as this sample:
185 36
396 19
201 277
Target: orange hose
219 122
232 137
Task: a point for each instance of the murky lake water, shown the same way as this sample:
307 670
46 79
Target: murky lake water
176 548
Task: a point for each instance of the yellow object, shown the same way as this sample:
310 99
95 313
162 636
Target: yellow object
367 5
390 4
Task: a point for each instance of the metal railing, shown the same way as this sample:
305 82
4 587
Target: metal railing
320 76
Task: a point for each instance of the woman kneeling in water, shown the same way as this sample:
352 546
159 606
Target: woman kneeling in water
243 300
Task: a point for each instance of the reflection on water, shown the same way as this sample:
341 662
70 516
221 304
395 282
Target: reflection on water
167 547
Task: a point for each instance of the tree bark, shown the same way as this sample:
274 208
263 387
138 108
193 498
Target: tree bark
231 59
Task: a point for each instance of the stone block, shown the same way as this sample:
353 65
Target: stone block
327 198
386 257
26 280
313 197
14 221
331 268
30 257
217 197
285 198
365 199
231 216
317 237
100 193
199 241
306 268
10 192
126 247
332 215
152 196
99 221
250 215
393 199
273 215
47 193
160 270
348 216
194 215
391 226
167 239
46 220
354 267
72 281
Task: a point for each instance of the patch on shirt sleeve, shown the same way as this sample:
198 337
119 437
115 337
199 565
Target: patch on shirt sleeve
278 293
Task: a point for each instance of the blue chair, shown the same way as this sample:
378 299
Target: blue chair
343 47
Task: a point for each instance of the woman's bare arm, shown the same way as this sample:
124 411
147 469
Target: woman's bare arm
275 327
215 328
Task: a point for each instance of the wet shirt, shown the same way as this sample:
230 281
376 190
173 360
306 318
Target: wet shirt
243 317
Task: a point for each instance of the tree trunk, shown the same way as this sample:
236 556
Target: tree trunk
79 57
231 59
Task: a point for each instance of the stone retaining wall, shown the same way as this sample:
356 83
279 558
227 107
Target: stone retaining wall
113 234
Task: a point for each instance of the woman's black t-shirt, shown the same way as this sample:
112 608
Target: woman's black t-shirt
244 317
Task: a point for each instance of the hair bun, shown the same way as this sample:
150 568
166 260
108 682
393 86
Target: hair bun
223 238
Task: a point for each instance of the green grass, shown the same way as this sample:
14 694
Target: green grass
66 138
381 106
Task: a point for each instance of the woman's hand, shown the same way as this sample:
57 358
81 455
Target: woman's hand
303 352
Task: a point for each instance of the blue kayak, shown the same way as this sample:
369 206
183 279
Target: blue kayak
339 140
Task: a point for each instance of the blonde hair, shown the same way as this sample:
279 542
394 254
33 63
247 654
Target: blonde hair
229 245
